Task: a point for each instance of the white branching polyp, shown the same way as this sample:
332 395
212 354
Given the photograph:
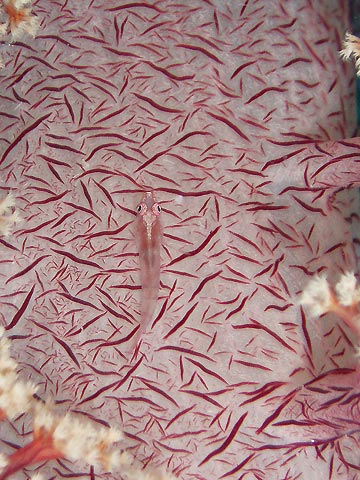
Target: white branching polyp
56 436
342 299
351 48
16 396
7 216
317 296
20 19
347 290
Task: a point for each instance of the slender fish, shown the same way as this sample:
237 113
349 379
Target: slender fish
149 234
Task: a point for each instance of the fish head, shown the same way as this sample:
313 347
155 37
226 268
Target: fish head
148 211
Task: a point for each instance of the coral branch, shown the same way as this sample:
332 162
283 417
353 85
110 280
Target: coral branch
20 19
58 437
343 300
351 48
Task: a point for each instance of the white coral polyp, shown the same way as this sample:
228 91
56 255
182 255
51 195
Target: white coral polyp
15 396
78 439
317 296
347 290
351 47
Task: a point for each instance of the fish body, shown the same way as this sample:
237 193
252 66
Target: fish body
149 235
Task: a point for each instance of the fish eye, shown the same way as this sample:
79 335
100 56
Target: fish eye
156 208
141 208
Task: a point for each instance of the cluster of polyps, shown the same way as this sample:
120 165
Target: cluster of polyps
55 436
19 19
7 214
351 48
343 299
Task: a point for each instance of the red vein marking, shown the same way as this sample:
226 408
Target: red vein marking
262 392
264 91
237 309
282 308
27 269
27 130
271 290
111 115
201 50
276 161
187 351
246 240
79 300
125 339
151 160
335 247
50 199
317 58
87 194
115 313
59 39
253 123
296 60
229 124
21 310
69 107
304 141
188 135
38 227
62 219
76 259
244 65
121 53
134 5
105 192
83 209
182 321
55 173
257 326
267 206
203 396
203 283
64 147
228 440
67 350
103 89
207 370
169 74
100 147
109 232
332 163
154 135
114 385
239 467
159 391
8 245
308 207
53 160
196 250
253 365
278 229
277 412
19 98
124 86
178 415
21 76
157 105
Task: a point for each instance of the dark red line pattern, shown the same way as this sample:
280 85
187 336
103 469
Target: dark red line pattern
232 113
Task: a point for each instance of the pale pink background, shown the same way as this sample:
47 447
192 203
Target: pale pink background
233 112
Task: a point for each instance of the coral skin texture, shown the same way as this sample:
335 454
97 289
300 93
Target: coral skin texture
239 116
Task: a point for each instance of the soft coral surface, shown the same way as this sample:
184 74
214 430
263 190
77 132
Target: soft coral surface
239 115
